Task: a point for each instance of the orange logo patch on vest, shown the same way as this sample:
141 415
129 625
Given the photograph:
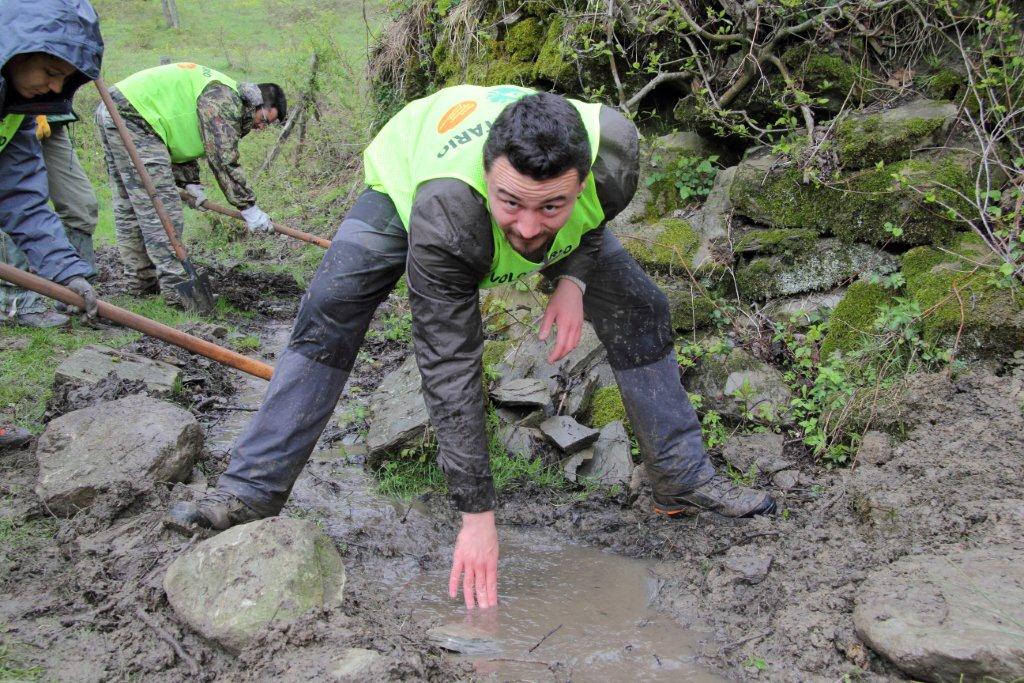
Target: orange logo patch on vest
455 115
186 65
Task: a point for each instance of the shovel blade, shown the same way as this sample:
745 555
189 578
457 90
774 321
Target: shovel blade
196 291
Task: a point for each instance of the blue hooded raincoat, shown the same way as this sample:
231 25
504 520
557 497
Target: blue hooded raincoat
68 29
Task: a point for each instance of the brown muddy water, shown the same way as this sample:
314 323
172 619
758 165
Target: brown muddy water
566 610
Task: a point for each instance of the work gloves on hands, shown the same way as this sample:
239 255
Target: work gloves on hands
256 220
196 195
79 285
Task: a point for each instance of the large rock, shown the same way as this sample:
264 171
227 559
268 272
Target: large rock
398 414
92 363
568 434
275 569
857 206
712 220
893 134
954 617
662 163
525 392
129 445
964 302
826 264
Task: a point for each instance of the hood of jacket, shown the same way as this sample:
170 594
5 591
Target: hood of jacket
68 29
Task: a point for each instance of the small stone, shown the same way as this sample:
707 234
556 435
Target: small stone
522 392
521 441
637 479
875 448
763 451
572 464
612 462
746 566
568 434
463 638
354 664
786 479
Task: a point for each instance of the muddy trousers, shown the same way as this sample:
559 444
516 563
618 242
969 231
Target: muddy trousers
75 203
366 259
142 243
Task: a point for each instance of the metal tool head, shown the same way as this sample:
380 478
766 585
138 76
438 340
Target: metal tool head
196 291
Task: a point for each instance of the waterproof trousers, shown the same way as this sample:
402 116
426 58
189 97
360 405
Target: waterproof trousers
75 203
366 259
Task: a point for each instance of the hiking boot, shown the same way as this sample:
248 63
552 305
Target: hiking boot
213 512
42 321
718 494
143 287
13 437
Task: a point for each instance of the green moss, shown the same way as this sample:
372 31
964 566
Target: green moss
823 75
668 245
857 206
523 39
607 407
690 310
553 62
865 142
854 317
947 84
962 300
777 241
756 281
495 351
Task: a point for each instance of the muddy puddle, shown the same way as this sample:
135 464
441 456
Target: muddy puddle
563 608
566 609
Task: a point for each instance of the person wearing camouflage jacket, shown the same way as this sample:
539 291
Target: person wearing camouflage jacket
470 188
176 114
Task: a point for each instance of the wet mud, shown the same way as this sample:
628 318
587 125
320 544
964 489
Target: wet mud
600 586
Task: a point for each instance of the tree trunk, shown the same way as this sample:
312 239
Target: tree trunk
171 13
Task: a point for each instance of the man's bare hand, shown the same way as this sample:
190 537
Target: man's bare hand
476 561
565 312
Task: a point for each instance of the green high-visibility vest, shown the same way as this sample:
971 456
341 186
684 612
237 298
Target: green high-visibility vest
165 96
9 125
443 136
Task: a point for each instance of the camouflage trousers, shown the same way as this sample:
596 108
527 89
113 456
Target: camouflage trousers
146 253
75 203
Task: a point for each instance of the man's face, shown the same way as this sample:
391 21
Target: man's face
263 117
530 212
36 74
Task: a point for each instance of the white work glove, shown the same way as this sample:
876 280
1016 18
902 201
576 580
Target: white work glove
256 220
196 195
79 285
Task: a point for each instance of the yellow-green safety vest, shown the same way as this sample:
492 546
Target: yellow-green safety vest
9 125
443 136
165 96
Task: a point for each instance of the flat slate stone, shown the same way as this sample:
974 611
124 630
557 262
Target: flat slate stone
612 462
568 434
464 639
522 392
940 617
92 363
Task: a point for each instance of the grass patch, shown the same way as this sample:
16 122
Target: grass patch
11 670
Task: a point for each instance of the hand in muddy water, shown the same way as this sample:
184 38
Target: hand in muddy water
476 561
565 312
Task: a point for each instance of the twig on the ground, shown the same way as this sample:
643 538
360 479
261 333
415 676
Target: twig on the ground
743 641
163 635
546 636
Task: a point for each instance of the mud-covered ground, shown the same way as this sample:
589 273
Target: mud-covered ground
83 599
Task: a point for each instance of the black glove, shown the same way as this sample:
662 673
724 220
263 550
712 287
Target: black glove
79 285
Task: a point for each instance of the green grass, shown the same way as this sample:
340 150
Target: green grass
11 670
